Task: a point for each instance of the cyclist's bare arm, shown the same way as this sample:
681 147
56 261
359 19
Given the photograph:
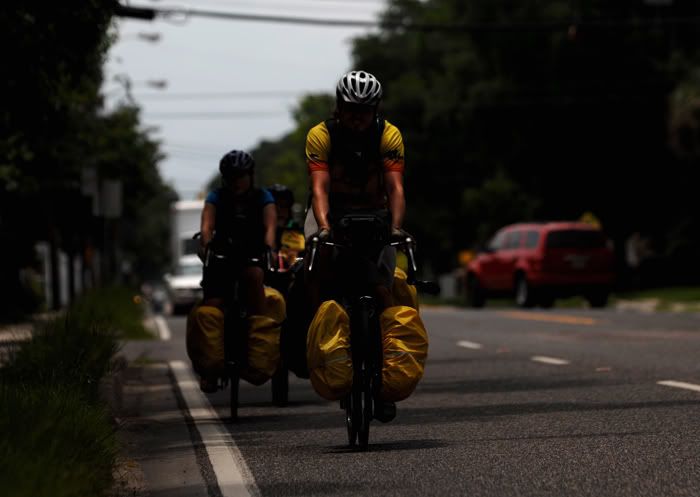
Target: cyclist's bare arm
207 224
397 200
270 222
320 186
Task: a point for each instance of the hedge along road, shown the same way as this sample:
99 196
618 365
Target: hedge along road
538 403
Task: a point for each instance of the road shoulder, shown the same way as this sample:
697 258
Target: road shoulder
157 452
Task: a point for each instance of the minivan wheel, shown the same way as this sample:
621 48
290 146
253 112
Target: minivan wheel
475 294
598 298
524 295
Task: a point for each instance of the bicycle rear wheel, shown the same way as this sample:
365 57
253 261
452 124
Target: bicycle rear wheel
235 381
280 386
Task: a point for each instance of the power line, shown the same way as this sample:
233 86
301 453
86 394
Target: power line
186 13
215 115
227 94
554 25
301 4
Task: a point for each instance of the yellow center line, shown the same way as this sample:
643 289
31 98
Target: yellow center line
553 318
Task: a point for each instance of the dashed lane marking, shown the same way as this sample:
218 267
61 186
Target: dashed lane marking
552 318
550 360
680 384
469 345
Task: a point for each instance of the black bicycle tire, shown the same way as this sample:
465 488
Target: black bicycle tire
357 411
235 383
363 431
352 431
280 386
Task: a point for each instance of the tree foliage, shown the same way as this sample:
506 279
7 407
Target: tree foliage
282 161
53 125
535 110
566 101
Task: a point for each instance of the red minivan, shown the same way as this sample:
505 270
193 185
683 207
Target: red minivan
539 262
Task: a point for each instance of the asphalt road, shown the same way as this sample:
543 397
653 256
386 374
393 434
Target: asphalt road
513 403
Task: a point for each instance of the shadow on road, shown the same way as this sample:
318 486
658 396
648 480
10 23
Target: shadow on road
502 385
391 446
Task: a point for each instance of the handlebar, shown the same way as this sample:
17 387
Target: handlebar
408 245
266 259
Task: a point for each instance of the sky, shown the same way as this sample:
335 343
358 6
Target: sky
228 83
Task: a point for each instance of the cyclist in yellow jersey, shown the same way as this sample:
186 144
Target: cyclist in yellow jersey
356 162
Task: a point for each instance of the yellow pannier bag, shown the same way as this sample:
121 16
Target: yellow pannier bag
275 306
403 293
405 348
263 349
328 351
205 340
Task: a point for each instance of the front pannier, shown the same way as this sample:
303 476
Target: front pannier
405 346
403 293
263 349
328 351
205 340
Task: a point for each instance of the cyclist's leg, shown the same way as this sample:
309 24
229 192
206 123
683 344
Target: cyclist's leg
252 279
318 280
386 265
310 224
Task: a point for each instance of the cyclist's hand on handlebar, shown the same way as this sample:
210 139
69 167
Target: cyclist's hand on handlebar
399 235
271 262
323 235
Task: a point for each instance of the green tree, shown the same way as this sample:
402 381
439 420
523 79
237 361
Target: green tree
282 160
568 99
52 126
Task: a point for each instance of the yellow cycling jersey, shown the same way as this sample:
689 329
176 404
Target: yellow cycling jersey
318 148
356 168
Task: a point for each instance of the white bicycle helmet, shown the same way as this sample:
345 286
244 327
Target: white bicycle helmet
359 87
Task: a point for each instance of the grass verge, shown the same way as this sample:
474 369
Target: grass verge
678 299
58 438
118 306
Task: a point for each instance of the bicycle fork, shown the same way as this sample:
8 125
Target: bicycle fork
367 360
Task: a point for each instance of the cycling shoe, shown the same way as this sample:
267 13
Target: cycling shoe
384 411
208 385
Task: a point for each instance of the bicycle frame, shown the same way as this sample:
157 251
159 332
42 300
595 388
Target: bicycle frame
365 332
235 338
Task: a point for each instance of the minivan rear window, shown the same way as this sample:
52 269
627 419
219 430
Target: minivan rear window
532 238
575 239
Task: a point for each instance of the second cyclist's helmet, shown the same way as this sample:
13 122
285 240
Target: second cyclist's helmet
282 193
236 163
359 87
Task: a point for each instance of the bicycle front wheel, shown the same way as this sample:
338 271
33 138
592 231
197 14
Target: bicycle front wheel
365 416
350 418
235 381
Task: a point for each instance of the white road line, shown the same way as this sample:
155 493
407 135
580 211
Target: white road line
469 345
232 473
549 360
680 384
163 329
